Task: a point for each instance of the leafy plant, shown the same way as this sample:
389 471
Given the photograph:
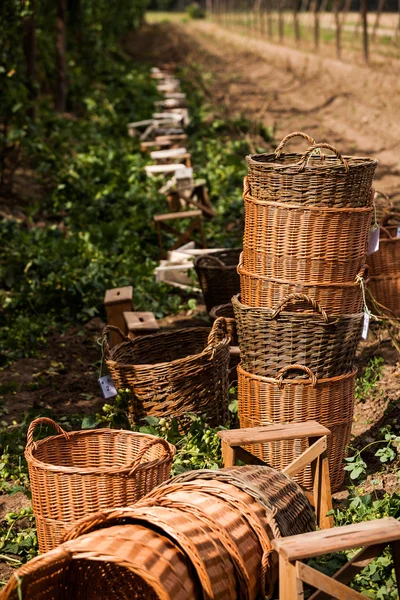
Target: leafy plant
368 381
357 467
195 11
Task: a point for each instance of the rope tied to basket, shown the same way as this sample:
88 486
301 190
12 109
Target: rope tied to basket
30 444
279 379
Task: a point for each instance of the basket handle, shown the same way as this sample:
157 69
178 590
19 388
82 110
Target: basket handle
284 370
108 328
43 421
142 452
246 187
304 159
219 332
290 136
210 257
316 306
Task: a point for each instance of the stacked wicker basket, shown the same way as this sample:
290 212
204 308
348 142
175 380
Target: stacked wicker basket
302 278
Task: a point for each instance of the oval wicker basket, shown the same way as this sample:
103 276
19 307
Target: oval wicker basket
272 339
336 298
174 373
125 561
386 291
74 474
304 243
311 178
266 400
226 311
386 261
218 277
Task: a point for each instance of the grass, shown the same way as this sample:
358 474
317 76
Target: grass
166 17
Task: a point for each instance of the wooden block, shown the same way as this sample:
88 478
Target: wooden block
145 146
152 170
140 323
180 137
171 153
271 433
116 301
185 214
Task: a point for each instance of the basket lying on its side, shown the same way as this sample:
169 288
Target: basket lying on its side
311 178
218 277
266 400
272 339
126 561
386 261
77 473
336 298
304 243
174 373
386 291
226 311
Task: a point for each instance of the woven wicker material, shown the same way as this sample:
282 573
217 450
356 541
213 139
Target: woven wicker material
337 299
121 562
264 400
386 291
195 378
272 339
386 261
304 243
77 473
312 178
218 277
226 311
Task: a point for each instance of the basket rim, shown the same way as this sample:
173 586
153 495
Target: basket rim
203 257
301 207
122 470
319 381
276 163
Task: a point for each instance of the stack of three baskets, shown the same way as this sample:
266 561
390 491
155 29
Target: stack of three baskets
302 278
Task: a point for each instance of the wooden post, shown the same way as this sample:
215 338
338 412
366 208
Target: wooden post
116 302
364 17
338 27
296 20
269 19
316 24
281 23
379 10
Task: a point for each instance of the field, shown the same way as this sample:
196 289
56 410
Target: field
77 219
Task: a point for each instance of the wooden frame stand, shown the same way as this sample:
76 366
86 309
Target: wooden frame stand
196 224
116 301
140 323
371 536
315 455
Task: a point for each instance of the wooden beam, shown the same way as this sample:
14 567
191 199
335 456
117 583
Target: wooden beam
299 463
326 584
273 433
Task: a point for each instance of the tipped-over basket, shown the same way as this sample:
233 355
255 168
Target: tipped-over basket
311 178
77 473
218 277
174 373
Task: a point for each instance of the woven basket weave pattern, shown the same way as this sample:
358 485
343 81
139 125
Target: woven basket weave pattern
386 291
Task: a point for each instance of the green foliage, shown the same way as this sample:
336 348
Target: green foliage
18 537
368 381
356 465
195 11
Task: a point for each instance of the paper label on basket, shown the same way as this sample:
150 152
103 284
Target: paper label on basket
107 387
398 232
373 244
365 326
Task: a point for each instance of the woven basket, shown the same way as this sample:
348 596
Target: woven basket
195 378
272 339
386 291
121 562
265 400
336 298
304 243
386 261
311 178
226 311
77 473
218 277
383 205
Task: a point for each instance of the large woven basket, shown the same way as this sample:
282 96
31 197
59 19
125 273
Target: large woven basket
125 561
336 298
386 291
272 339
311 178
304 243
77 473
226 311
386 261
266 400
174 373
218 277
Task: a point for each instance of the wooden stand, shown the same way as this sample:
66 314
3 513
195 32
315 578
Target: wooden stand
198 197
116 301
196 223
315 455
371 536
140 323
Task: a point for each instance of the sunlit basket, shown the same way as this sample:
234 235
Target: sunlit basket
226 311
218 277
74 474
266 400
386 261
125 561
311 178
272 339
174 373
386 291
304 243
336 298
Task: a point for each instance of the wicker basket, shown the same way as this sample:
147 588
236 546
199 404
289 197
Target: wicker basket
77 473
264 400
126 561
272 339
311 178
226 311
336 298
218 277
386 261
195 378
386 291
304 243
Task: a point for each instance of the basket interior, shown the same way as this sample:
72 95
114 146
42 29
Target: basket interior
230 258
96 450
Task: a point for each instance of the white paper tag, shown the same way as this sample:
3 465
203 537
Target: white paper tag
365 326
373 244
107 387
398 232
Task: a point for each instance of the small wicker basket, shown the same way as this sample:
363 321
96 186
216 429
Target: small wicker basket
218 277
386 261
386 291
74 474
